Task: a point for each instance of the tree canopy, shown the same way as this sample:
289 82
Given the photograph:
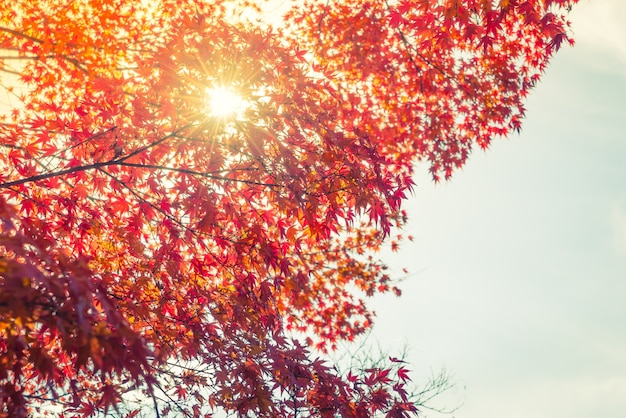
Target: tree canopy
202 255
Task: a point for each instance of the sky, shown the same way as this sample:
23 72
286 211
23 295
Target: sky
518 285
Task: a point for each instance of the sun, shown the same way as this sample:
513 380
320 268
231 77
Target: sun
223 102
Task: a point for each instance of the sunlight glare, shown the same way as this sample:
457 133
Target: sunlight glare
223 102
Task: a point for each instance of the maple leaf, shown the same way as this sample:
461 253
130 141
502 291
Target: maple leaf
403 374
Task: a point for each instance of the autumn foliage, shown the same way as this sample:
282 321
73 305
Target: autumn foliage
152 249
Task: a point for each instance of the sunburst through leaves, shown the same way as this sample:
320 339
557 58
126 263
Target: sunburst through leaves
224 102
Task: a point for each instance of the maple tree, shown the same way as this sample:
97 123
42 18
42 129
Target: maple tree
150 246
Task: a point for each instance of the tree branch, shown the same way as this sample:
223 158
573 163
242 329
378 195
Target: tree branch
196 173
96 165
44 176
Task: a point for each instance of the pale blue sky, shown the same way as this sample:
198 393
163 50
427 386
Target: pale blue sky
520 261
